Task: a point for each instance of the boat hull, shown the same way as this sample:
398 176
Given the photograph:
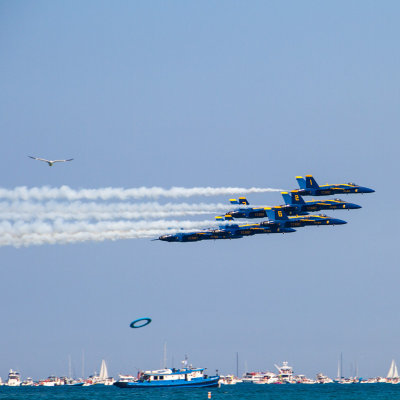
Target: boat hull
194 383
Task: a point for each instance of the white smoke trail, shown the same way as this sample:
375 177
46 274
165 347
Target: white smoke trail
65 192
27 210
26 220
21 233
64 238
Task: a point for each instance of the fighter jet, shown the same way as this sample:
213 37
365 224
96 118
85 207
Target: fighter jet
309 187
281 218
253 229
227 231
244 211
296 201
202 235
183 237
50 162
258 212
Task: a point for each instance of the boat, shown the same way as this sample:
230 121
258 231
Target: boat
285 373
252 377
14 378
321 378
228 380
304 380
27 382
393 375
51 381
73 382
187 376
103 378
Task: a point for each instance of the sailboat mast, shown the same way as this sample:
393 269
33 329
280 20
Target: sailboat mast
83 364
341 365
165 356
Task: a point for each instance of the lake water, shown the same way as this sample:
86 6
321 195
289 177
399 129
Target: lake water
233 392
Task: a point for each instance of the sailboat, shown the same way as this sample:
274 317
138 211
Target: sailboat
103 370
393 375
102 378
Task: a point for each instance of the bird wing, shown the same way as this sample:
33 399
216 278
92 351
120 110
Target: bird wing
40 159
70 159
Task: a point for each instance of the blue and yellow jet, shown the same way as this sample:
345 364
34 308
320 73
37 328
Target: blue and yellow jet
209 234
244 211
183 237
253 229
227 231
295 205
255 212
280 217
298 206
309 187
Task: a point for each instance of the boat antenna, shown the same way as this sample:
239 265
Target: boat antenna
165 355
83 364
69 366
341 365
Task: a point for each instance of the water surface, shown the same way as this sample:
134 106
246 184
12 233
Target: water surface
235 392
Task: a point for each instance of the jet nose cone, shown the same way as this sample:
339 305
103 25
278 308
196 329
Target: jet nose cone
167 238
339 222
354 206
367 190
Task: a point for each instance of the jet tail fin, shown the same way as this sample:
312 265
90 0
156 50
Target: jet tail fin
226 217
276 215
233 201
287 198
296 198
311 182
243 200
301 181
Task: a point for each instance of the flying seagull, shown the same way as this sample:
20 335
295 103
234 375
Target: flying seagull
50 162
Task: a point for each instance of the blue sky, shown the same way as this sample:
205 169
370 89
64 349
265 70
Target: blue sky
204 94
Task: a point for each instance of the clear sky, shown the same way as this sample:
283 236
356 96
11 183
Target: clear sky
223 93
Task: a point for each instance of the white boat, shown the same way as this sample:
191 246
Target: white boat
102 378
229 380
27 382
252 377
393 375
260 378
51 381
321 378
14 378
127 378
304 380
285 373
